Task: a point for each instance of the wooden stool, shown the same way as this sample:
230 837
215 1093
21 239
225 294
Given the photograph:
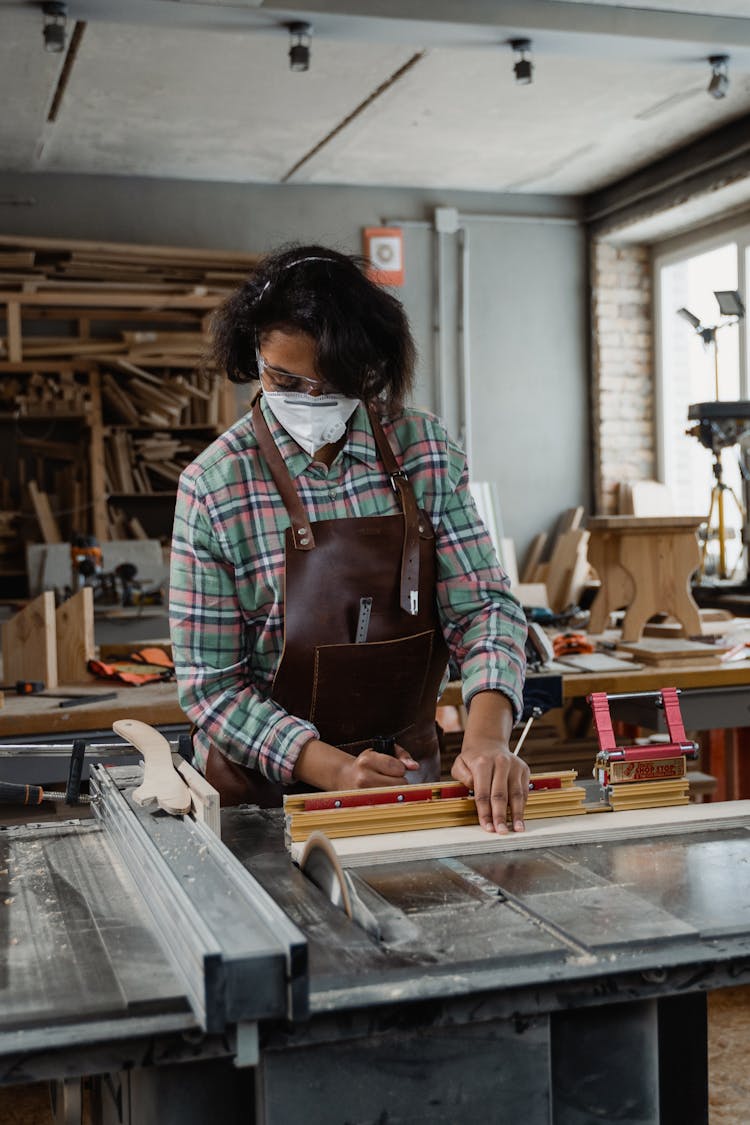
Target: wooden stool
645 565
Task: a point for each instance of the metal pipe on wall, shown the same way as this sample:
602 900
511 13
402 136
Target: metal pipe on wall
464 344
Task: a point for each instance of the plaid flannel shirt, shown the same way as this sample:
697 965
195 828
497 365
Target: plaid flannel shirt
227 576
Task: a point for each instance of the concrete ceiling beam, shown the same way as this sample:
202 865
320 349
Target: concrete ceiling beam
707 164
555 25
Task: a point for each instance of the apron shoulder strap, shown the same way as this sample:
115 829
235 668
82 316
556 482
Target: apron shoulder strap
300 525
409 595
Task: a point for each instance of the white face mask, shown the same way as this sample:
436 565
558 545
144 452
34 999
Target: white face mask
313 421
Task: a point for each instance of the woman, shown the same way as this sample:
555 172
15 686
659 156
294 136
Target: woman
328 560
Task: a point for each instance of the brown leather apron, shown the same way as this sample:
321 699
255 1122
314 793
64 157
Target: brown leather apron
353 691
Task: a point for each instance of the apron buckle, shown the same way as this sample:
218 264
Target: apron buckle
398 474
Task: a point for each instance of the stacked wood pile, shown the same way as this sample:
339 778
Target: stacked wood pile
102 344
147 463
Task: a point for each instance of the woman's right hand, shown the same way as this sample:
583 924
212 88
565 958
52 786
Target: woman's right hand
326 767
370 769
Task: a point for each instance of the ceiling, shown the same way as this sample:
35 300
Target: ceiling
201 89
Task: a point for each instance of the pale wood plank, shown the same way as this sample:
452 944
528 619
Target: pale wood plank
29 644
633 824
15 339
533 557
75 637
46 520
99 516
204 798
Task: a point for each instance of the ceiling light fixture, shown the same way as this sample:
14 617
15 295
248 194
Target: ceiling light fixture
55 17
522 68
719 84
300 37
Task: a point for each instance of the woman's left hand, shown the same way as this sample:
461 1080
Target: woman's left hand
500 781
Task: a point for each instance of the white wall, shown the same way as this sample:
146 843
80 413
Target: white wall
528 405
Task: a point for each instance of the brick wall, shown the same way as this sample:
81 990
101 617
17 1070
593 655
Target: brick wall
623 425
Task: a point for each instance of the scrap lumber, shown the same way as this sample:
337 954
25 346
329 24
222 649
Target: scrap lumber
568 569
533 557
47 523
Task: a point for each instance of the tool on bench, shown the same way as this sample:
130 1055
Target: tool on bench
18 793
24 687
36 687
629 775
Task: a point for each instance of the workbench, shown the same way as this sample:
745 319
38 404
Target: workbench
27 715
558 984
157 704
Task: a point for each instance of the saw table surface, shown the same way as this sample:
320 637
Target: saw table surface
574 912
76 942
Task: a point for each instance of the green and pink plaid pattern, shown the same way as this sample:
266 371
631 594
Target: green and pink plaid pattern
227 576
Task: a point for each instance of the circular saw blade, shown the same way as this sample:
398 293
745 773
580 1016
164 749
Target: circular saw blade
323 867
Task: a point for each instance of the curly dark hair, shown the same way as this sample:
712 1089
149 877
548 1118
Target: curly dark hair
364 346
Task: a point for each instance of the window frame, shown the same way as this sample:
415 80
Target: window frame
668 254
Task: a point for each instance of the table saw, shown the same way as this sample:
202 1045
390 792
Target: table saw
205 980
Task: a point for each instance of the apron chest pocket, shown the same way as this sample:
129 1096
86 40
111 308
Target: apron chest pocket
365 690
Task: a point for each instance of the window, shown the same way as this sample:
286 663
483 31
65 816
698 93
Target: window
691 371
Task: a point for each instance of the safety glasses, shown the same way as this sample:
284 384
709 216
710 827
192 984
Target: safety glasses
281 380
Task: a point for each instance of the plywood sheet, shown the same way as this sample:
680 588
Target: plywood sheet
630 825
29 645
74 628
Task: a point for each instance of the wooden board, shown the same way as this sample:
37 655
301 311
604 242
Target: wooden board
534 557
635 824
74 621
47 522
568 569
29 643
654 524
204 799
663 650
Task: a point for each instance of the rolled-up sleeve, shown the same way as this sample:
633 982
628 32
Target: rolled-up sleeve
483 623
211 649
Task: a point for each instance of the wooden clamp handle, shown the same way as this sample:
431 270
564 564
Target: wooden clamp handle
161 782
